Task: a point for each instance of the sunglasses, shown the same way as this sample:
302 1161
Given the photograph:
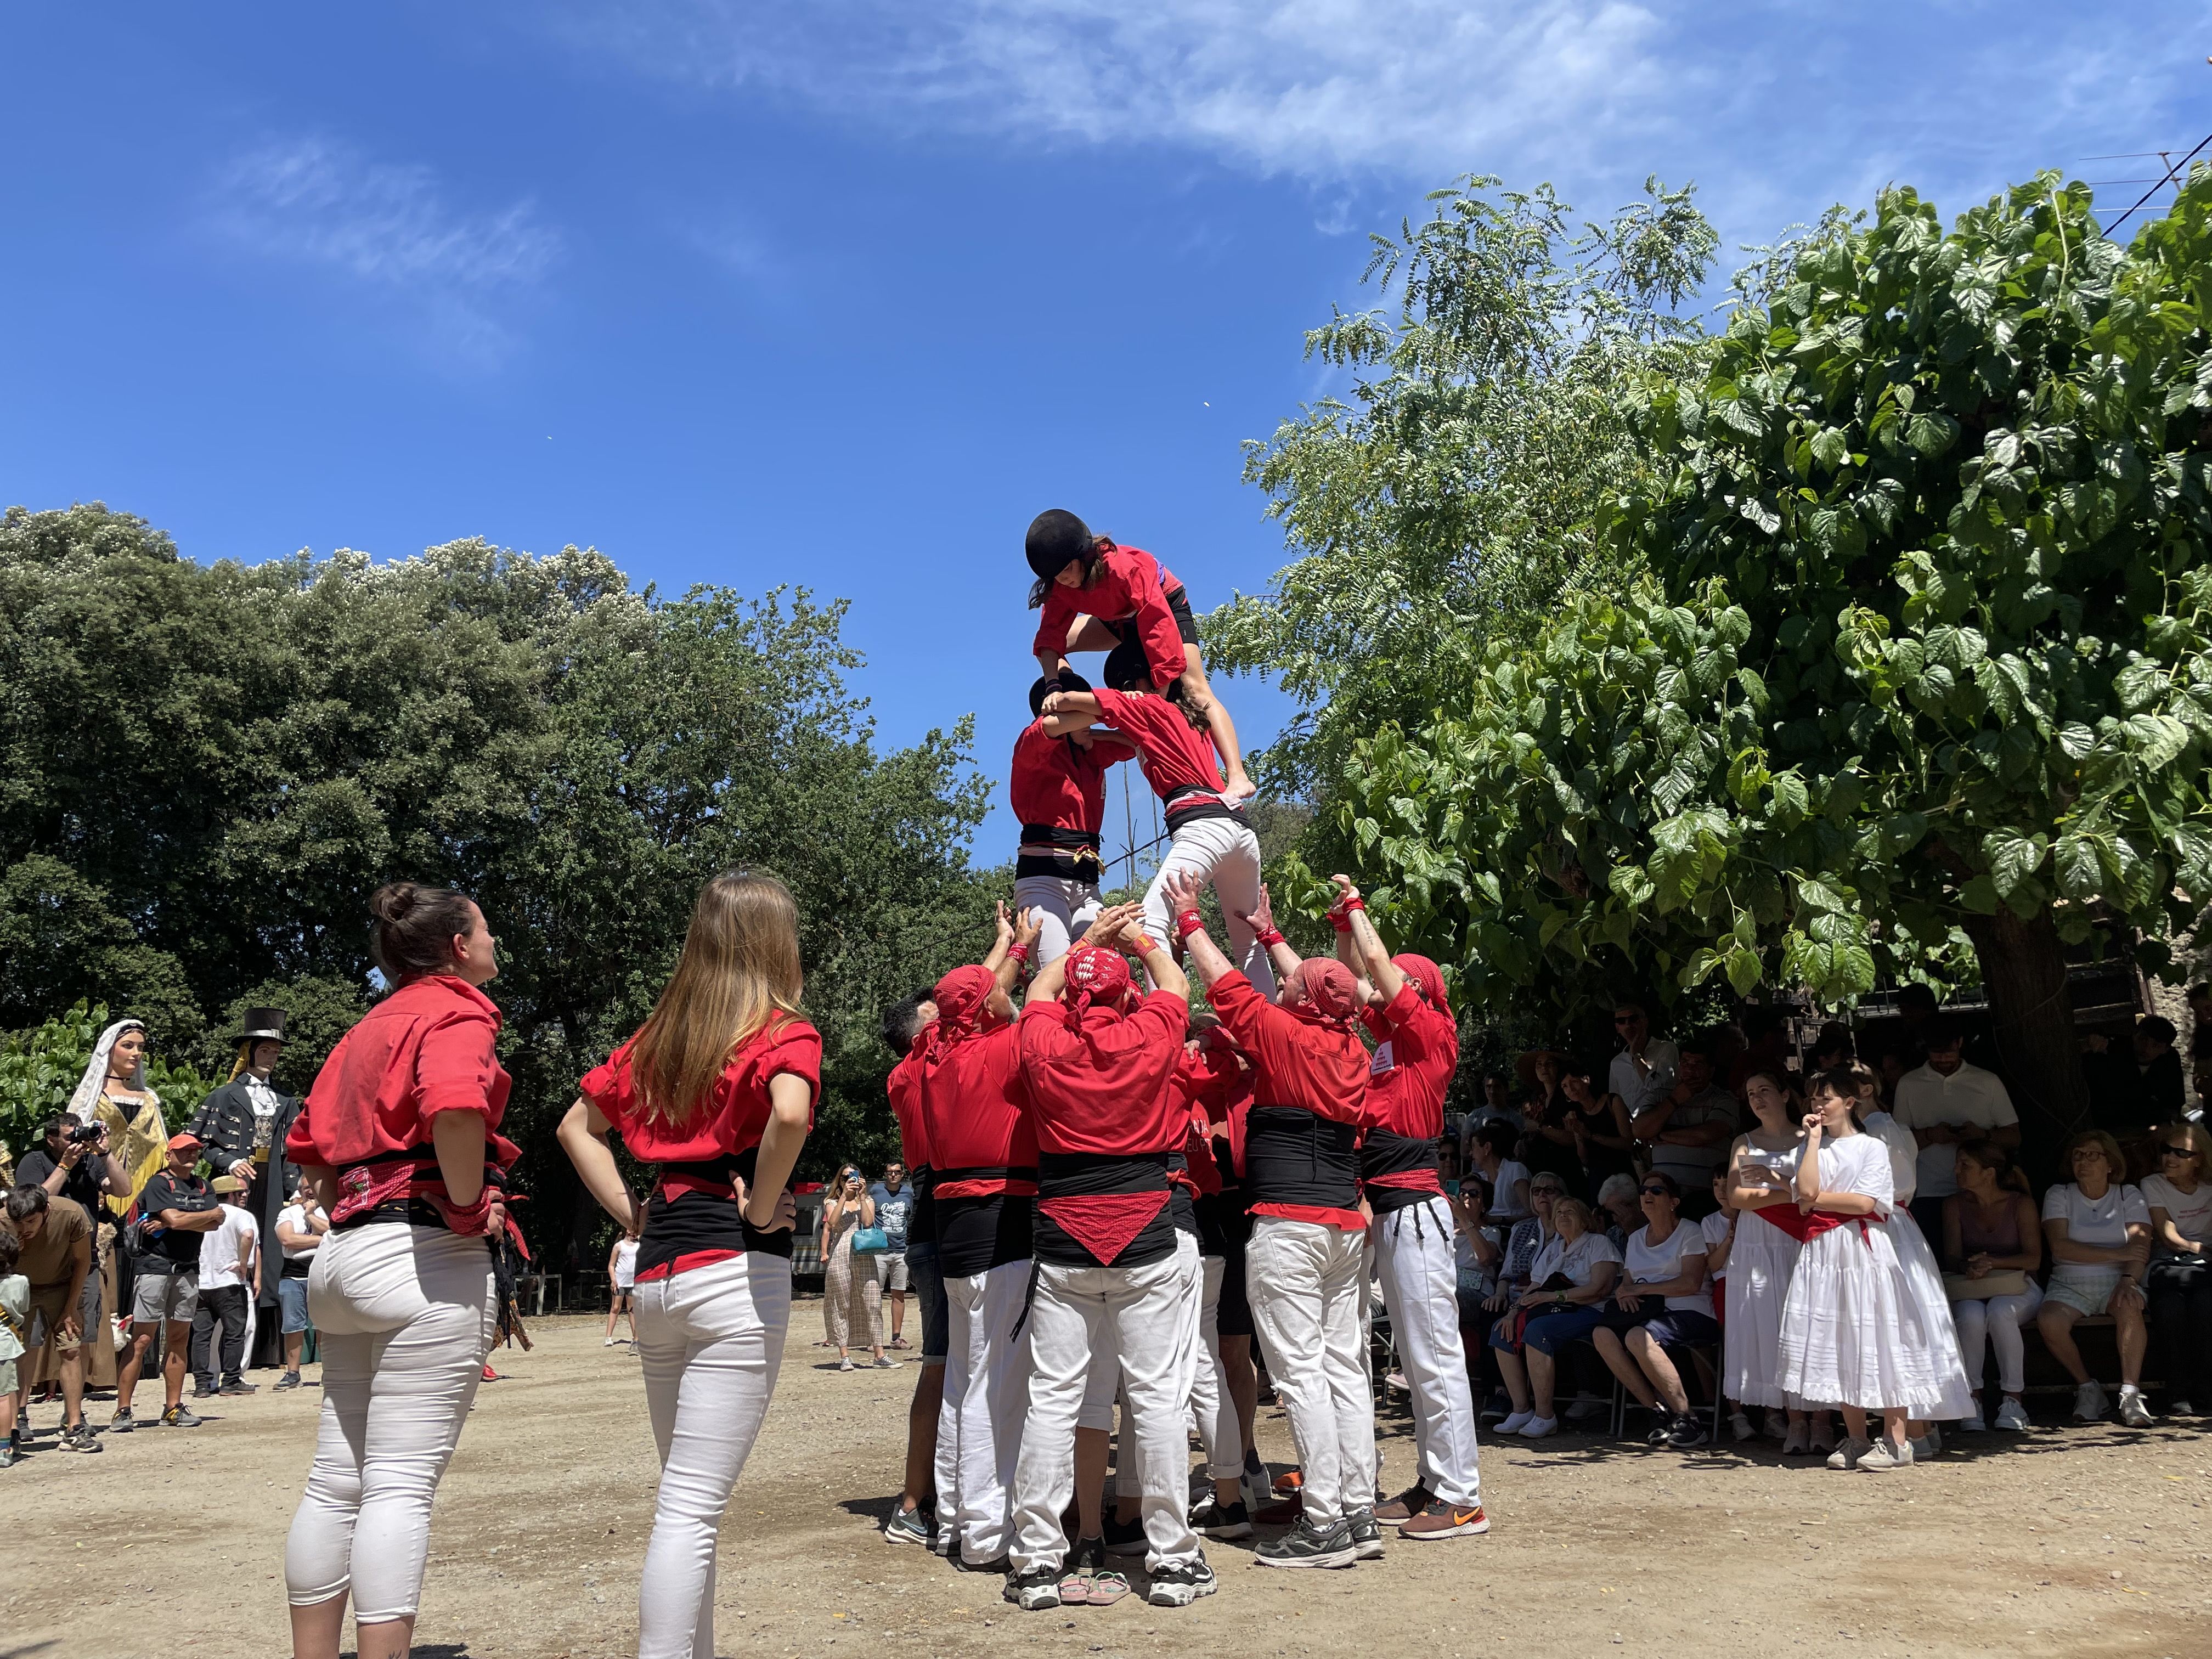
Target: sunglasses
1626 1019
2177 1152
1549 1191
1655 1192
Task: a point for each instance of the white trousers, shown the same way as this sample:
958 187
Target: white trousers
1211 1402
406 1315
1308 1285
987 1369
1064 907
1995 1322
1148 1317
711 1340
1227 854
1414 1252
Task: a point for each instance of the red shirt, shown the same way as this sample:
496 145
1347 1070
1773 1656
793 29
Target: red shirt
1309 1063
1131 583
1173 756
425 1048
735 1114
904 1088
1416 1053
975 1115
1059 783
1220 1093
1110 1089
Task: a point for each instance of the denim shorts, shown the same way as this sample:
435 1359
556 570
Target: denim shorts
292 1301
1546 1332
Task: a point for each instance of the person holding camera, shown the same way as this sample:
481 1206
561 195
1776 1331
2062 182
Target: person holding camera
74 1162
852 1296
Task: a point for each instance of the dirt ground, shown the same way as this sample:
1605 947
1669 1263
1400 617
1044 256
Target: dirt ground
2063 1542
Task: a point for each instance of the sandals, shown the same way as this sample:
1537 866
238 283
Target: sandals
1089 1582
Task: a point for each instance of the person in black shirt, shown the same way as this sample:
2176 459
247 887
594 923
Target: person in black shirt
79 1171
175 1207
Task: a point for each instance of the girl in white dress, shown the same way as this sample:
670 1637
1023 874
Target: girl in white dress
1761 1175
1851 1327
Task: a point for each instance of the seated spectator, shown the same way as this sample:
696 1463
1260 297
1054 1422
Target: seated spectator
1661 1304
1688 1126
2099 1230
1597 1126
1571 1276
1619 1208
1526 1240
2179 1286
1991 1242
1493 1160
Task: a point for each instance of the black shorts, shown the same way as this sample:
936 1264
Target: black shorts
1234 1316
929 1290
1179 604
1671 1328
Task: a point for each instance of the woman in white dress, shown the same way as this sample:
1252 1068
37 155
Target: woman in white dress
1852 1329
1761 1173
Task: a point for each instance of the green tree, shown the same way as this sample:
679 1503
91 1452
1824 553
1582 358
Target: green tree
40 1068
1450 499
1925 654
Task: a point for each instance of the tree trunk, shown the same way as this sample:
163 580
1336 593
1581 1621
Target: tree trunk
2032 1012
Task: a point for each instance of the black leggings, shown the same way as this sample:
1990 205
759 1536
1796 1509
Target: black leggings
2180 1296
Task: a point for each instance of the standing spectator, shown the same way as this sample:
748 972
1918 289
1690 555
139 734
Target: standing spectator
2179 1284
1718 1232
2100 1233
243 1124
1644 1067
2200 1043
1492 1158
621 1284
2160 1095
852 1300
1917 1018
301 1226
177 1207
1598 1124
894 1202
74 1162
1570 1279
1688 1125
54 1239
1762 1261
1496 1107
1548 1143
1767 1048
1944 1102
230 1280
1992 1242
15 1325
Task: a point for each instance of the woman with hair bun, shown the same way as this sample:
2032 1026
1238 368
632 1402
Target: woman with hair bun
716 1091
398 1140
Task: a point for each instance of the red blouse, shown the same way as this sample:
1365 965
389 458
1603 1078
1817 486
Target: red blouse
1130 584
736 1114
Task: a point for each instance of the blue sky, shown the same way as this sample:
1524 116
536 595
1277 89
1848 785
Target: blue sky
840 294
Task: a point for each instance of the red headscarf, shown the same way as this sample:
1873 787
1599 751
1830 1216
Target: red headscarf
1094 976
1426 975
1331 991
962 997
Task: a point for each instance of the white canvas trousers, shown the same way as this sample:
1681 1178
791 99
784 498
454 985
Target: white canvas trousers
1227 854
712 1340
1065 909
1147 1317
1414 1255
406 1315
979 1428
1307 1284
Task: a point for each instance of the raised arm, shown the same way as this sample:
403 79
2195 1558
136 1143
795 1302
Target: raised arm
1262 917
1372 960
1183 889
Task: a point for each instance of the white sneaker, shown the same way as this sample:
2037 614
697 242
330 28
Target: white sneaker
1850 1453
2012 1415
2133 1411
2181 1408
1740 1426
2090 1401
609 1343
1537 1427
1515 1423
1882 1455
1972 1422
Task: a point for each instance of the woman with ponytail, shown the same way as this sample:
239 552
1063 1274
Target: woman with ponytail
398 1141
716 1091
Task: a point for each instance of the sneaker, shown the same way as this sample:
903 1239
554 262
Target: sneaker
1404 1507
907 1526
2012 1415
885 1363
1740 1426
1824 1435
79 1439
1688 1433
1582 1410
7 1454
289 1380
203 1390
1537 1427
1934 1436
1661 1426
178 1417
1034 1589
1777 1424
239 1387
1924 1449
609 1343
1797 1441
1000 1565
846 1364
1181 1582
2180 1408
2133 1411
1367 1536
1516 1422
1850 1454
1290 1481
1882 1455
1255 1482
121 1422
1124 1537
898 1342
2090 1401
1443 1520
1304 1545
1973 1422
1213 1519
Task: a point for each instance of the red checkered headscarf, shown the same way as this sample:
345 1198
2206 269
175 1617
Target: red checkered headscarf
1096 975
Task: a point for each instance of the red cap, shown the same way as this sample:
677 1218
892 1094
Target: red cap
186 1142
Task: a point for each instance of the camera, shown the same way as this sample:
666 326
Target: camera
85 1133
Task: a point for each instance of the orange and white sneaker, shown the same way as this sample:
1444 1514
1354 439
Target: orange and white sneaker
1443 1520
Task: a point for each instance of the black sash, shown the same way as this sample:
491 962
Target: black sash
1292 1156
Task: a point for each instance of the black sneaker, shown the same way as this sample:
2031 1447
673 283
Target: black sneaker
178 1417
1033 1589
1304 1546
121 1422
203 1390
1366 1536
1213 1519
960 1564
79 1439
1687 1433
1180 1584
240 1386
289 1380
1662 1428
1125 1537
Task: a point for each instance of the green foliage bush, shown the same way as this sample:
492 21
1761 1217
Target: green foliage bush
40 1068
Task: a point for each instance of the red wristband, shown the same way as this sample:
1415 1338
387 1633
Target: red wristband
1017 952
1271 938
1146 944
1188 923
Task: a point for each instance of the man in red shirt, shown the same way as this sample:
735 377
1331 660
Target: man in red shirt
1115 1276
1057 787
1305 1266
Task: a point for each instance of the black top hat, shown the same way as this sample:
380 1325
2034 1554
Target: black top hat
263 1025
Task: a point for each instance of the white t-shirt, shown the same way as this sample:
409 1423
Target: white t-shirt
1971 1096
1904 1152
1502 1202
1655 1264
1577 1261
293 1218
2102 1222
223 1249
1714 1230
625 1263
1637 1092
2192 1212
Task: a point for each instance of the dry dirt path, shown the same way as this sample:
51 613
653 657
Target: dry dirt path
2063 1542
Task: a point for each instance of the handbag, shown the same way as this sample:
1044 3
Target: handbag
1959 1288
870 1241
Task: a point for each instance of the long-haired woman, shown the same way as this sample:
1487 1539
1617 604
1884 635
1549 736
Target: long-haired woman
851 1298
717 1089
398 1141
1762 1165
1992 1241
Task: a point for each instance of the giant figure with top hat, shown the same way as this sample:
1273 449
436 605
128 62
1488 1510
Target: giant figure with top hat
242 1125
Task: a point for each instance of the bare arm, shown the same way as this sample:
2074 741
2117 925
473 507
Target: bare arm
1374 960
1182 892
1281 957
2064 1249
2163 1229
190 1221
459 1138
583 1136
790 1103
1070 711
996 961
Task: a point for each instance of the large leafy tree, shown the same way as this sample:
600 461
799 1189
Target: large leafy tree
1924 656
1449 496
205 770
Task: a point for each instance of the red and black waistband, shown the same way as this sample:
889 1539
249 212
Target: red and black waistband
1097 1210
1398 1170
1188 802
